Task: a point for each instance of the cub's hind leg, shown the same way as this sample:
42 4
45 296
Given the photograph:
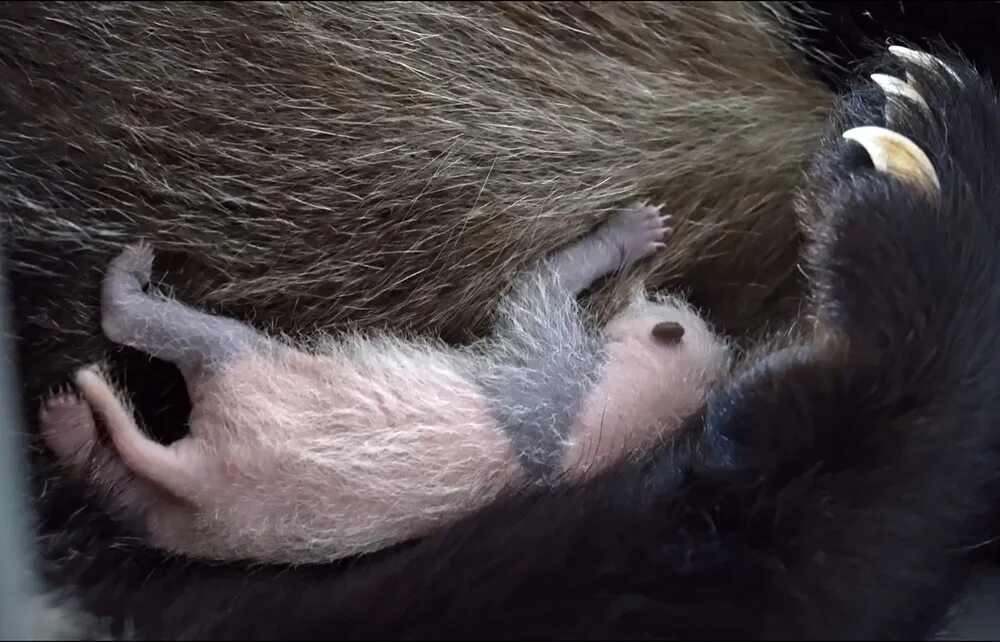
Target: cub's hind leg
67 426
194 341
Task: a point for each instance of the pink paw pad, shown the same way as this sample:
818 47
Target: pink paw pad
67 426
639 230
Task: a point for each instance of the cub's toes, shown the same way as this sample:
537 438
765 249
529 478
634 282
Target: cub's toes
135 261
67 427
639 230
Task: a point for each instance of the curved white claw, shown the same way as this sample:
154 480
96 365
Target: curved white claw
894 87
921 59
898 156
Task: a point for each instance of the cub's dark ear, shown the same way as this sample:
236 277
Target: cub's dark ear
669 332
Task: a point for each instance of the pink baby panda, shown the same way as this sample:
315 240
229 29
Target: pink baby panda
348 445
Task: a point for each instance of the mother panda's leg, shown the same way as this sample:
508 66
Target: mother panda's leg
835 483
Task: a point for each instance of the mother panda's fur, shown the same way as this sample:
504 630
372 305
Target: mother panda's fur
370 164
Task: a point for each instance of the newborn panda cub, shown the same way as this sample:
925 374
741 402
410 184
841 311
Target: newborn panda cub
313 453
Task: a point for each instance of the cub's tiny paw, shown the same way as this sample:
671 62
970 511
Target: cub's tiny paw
66 424
135 262
638 231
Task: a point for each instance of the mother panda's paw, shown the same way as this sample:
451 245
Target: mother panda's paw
928 122
903 195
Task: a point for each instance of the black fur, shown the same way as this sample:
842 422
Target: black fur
829 491
839 34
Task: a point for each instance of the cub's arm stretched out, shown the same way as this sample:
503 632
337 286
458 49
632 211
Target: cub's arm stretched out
835 482
307 455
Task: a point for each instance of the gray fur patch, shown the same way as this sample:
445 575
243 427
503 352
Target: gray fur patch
163 327
542 362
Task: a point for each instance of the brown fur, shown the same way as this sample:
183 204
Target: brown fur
395 164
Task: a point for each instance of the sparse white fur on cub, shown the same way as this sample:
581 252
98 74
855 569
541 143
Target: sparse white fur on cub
310 454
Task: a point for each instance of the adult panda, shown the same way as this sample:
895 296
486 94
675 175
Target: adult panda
370 165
